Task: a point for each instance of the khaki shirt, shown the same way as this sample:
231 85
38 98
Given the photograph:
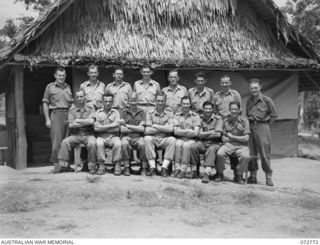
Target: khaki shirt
81 113
222 101
240 128
261 110
154 117
174 97
94 94
214 123
133 118
121 94
191 120
197 99
102 118
57 96
146 94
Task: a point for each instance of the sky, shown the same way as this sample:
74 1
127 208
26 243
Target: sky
9 9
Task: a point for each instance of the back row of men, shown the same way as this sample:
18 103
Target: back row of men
184 123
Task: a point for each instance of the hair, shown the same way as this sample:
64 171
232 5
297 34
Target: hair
78 90
207 103
225 76
172 71
235 103
255 80
185 98
59 69
108 95
146 65
117 68
200 74
93 67
160 93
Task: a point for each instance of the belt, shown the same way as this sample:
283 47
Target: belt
256 122
60 109
145 104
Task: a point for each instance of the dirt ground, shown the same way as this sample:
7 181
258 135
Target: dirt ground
37 204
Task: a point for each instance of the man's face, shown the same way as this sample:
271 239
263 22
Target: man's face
118 75
93 74
173 78
146 73
60 76
133 101
208 110
160 101
234 110
185 105
225 83
107 102
80 97
200 82
255 89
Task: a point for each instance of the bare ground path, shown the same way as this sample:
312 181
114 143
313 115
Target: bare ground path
35 203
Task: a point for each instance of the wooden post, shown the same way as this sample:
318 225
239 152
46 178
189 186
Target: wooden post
21 140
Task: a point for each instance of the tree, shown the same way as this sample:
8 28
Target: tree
38 5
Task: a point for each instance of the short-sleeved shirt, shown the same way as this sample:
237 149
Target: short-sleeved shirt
93 94
222 101
239 128
214 123
81 113
198 98
146 93
261 109
133 118
121 94
174 97
57 96
164 118
190 121
103 118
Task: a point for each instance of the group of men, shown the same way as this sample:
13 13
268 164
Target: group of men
185 124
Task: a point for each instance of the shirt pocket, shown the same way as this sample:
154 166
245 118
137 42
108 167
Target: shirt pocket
261 111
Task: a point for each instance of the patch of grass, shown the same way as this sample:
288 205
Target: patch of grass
38 179
93 178
66 227
197 223
249 198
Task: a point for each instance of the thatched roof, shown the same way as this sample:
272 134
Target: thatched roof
226 34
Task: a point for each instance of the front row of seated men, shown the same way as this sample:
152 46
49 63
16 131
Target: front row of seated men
182 137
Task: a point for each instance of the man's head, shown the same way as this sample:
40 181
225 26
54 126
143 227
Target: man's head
234 108
146 71
133 100
80 97
185 104
60 75
200 79
118 74
207 108
173 77
107 101
225 83
160 100
93 72
255 87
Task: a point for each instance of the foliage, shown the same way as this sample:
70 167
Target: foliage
38 5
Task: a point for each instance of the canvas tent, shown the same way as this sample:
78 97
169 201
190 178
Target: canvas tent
243 38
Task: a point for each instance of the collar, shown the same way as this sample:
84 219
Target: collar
201 93
149 83
127 109
177 88
89 84
115 84
157 113
255 100
213 117
190 113
221 92
58 85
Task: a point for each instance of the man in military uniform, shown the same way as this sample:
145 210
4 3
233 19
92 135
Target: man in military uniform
200 94
132 134
93 88
174 92
80 119
57 99
146 89
159 126
120 90
209 135
107 127
235 137
261 113
186 129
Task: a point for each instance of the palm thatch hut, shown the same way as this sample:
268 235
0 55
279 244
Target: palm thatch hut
243 38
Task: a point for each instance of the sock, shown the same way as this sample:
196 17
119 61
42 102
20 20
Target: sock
152 163
165 163
208 170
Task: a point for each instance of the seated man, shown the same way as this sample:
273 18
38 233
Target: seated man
186 130
81 120
107 127
132 134
159 126
210 134
235 137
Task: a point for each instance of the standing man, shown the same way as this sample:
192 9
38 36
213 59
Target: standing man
159 126
186 129
174 92
261 113
200 94
93 88
80 119
146 89
57 99
235 137
132 134
209 135
107 127
120 90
